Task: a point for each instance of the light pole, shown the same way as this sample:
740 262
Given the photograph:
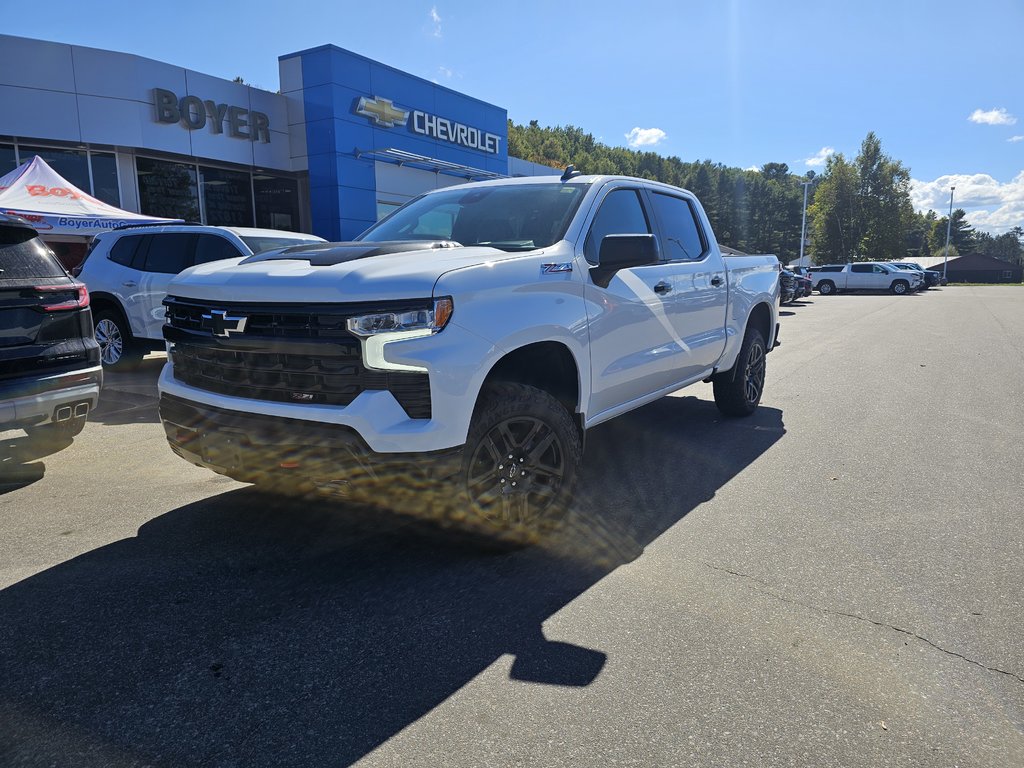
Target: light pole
803 224
949 221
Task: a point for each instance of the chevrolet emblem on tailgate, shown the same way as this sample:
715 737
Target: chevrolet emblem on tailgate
219 323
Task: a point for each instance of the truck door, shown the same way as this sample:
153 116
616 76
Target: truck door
634 346
699 301
864 278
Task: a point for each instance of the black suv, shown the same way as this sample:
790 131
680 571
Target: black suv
50 373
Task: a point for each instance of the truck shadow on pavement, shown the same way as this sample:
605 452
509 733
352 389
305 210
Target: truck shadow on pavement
19 460
243 630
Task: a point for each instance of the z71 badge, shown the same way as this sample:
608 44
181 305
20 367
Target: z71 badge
551 269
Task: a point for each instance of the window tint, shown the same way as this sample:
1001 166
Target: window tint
213 248
23 255
123 251
679 227
170 253
621 214
861 267
830 268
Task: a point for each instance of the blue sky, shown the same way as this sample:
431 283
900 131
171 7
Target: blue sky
739 82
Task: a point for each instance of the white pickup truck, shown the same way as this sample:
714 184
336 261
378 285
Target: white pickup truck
464 344
865 276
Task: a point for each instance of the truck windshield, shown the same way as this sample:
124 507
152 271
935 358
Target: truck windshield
514 217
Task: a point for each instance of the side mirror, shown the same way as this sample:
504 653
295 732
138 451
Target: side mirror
622 252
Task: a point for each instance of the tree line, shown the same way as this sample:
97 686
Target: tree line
858 210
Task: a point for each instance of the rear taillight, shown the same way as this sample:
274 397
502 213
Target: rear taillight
80 301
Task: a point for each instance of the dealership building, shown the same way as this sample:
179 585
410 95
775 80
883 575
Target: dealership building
345 141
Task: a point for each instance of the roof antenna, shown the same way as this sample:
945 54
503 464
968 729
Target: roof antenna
570 171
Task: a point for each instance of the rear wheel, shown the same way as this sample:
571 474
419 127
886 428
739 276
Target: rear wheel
117 350
738 391
900 287
825 287
520 464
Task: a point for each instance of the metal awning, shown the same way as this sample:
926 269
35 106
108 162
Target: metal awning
422 162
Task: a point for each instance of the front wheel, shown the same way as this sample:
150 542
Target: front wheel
521 462
900 287
738 391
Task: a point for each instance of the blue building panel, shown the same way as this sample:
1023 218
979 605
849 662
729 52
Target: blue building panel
352 103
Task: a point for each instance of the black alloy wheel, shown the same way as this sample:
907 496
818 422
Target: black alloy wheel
521 460
738 391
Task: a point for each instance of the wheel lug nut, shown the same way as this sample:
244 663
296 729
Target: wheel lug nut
503 481
510 455
522 474
513 484
520 461
501 466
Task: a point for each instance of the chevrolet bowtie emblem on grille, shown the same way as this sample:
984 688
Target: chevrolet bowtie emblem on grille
382 111
219 323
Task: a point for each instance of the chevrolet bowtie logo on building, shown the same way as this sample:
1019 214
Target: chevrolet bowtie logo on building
382 111
219 323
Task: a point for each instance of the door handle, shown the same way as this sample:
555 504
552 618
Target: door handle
717 280
662 287
130 284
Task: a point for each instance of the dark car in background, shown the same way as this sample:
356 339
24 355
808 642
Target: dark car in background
788 287
50 372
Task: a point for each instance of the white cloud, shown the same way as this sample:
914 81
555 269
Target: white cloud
754 168
819 159
992 117
435 19
991 205
1015 139
445 72
645 137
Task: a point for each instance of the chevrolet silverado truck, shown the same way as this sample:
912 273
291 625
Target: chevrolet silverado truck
865 276
454 355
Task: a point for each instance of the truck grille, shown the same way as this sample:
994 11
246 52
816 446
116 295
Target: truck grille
285 354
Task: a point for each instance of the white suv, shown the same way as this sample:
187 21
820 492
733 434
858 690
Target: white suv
127 271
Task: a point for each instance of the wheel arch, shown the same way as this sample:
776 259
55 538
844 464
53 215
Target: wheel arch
102 301
547 365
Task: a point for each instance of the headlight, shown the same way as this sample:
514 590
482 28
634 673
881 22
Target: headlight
382 328
430 320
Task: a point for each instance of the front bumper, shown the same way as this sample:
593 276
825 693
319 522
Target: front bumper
273 450
37 400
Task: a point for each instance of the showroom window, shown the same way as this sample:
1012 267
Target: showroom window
227 197
277 202
169 190
104 178
8 160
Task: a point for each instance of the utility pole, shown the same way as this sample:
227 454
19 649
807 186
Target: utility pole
949 222
803 224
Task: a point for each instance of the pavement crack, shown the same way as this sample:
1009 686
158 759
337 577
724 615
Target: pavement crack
768 590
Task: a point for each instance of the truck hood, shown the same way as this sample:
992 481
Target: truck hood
332 272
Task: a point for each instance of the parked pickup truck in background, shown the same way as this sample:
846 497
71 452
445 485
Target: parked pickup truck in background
451 359
864 276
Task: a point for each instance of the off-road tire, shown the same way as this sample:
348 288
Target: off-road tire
518 500
738 391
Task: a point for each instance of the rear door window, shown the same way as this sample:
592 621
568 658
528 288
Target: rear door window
170 253
23 255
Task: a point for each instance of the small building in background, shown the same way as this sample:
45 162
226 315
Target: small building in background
977 268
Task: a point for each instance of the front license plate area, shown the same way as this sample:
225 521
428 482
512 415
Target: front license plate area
220 450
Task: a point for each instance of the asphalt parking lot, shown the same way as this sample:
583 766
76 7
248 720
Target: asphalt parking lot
835 581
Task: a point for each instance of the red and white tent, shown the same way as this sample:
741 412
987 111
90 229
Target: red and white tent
54 206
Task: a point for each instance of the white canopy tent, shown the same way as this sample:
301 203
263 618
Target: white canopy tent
55 206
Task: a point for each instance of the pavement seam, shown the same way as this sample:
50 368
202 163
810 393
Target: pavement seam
832 612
